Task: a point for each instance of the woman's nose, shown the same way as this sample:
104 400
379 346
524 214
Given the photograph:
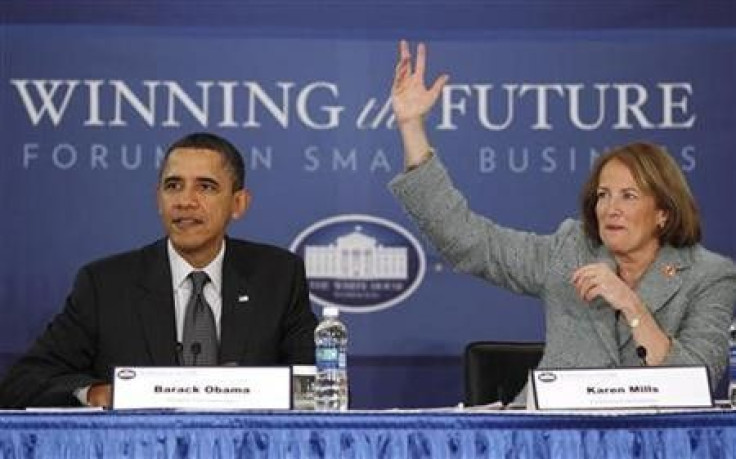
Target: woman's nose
614 208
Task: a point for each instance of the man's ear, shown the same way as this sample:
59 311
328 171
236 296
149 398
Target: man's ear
241 203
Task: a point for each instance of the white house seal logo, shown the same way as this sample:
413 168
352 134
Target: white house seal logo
360 263
126 373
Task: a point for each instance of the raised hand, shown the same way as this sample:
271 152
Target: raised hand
411 99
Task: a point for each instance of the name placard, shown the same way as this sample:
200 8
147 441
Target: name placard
620 388
203 388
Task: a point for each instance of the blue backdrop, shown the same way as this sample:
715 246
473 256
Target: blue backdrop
90 96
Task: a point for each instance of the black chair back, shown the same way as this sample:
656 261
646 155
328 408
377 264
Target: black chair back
497 370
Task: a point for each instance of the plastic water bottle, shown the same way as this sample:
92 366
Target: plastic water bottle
331 383
732 362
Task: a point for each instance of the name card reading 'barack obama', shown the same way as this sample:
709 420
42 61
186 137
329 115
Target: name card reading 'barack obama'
620 388
202 388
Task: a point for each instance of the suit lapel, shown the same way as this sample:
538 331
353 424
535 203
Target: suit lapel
239 305
156 305
660 282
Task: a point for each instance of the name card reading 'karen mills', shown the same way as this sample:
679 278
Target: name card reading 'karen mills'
202 388
620 388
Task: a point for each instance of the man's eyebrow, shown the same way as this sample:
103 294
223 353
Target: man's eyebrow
207 180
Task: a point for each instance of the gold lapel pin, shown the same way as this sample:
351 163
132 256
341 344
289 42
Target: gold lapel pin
669 270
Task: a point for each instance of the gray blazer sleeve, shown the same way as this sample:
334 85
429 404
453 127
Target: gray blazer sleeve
473 244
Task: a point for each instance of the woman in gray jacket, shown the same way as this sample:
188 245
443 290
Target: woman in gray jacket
630 279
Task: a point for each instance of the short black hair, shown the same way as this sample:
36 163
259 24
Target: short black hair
208 141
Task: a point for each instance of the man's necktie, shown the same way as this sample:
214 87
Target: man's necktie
200 332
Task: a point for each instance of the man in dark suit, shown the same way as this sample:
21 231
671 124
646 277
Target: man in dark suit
130 309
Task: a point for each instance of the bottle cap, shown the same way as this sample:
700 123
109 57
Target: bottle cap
330 311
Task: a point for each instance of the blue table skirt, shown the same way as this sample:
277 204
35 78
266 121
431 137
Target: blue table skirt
365 435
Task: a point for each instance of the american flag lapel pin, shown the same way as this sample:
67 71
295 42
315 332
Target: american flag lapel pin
243 298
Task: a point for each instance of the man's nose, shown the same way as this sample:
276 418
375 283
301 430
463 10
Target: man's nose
188 197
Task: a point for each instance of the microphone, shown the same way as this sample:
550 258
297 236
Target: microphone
180 354
196 349
641 352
